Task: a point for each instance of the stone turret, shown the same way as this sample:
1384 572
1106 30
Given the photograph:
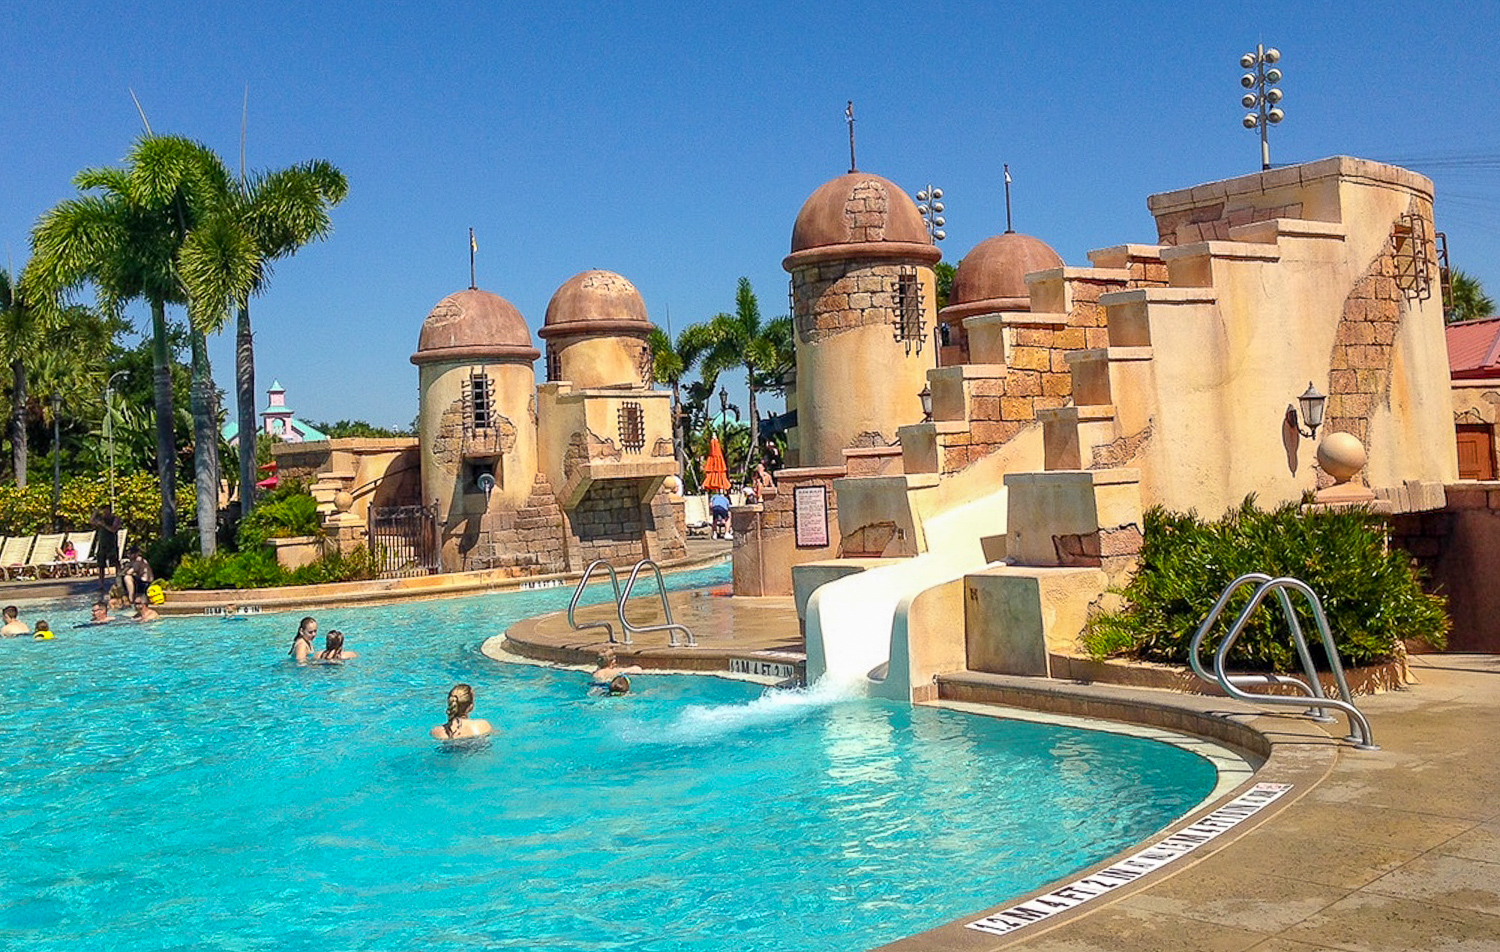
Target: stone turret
863 298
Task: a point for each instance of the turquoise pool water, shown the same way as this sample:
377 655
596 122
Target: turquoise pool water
180 786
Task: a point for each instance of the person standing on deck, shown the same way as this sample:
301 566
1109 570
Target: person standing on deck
108 547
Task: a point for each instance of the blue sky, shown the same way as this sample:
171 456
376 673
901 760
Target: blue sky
675 142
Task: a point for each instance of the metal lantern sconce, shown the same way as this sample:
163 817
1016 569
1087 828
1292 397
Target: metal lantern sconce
1311 404
486 483
926 397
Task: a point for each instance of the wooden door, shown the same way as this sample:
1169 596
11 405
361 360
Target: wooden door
1476 451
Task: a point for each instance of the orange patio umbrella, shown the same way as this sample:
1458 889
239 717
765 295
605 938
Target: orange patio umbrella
715 473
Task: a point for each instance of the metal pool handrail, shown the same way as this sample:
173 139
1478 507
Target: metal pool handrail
1360 733
578 593
671 627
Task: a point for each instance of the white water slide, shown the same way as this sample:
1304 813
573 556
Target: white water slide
854 623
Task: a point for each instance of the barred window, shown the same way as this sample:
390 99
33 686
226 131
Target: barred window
906 322
480 397
632 427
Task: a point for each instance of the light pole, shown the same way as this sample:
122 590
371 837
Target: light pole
1262 99
109 429
932 212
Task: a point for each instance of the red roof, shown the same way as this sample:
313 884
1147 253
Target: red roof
1474 349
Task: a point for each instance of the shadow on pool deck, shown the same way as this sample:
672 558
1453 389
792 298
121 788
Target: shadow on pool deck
1396 849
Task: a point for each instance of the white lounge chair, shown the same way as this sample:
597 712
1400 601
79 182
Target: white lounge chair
695 513
46 554
13 555
84 542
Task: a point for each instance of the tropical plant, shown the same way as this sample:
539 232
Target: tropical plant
137 501
289 510
123 236
262 217
1371 595
670 362
345 429
1467 300
743 339
943 272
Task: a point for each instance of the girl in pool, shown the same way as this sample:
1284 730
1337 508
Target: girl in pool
460 725
609 668
302 645
333 649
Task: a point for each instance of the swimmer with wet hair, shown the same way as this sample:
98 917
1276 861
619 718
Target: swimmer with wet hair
460 725
609 668
618 685
302 644
333 649
43 631
13 627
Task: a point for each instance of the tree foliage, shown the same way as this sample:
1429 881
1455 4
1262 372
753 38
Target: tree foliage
1467 300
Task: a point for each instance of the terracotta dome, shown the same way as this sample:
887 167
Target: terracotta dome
857 211
992 277
595 302
474 325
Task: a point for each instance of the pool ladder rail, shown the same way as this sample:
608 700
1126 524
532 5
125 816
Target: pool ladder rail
1360 734
621 597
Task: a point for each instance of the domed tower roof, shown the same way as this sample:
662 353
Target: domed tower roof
474 325
859 215
596 302
992 277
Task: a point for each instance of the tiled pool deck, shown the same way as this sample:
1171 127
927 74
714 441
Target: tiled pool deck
1369 851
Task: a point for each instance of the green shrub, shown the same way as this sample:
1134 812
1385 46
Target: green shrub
1371 595
336 566
257 568
288 510
248 568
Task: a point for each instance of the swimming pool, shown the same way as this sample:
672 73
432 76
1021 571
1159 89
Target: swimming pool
180 786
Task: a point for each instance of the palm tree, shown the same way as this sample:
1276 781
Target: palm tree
670 362
1467 300
763 348
123 237
19 330
228 259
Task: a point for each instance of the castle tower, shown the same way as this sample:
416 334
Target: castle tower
991 279
476 417
596 331
864 305
605 436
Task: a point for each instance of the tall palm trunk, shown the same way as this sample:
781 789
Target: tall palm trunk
18 420
244 391
205 446
166 449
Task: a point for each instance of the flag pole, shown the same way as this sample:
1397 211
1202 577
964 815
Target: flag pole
473 247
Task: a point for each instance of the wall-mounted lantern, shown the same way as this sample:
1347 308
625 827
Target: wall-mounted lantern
1311 404
486 483
926 397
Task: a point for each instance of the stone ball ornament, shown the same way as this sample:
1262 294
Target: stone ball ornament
342 500
1341 455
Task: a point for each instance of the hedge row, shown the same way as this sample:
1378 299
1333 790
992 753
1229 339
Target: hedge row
137 502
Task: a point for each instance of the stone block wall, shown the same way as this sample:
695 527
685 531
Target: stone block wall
523 541
838 296
1212 222
610 523
1365 343
1037 375
1459 546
